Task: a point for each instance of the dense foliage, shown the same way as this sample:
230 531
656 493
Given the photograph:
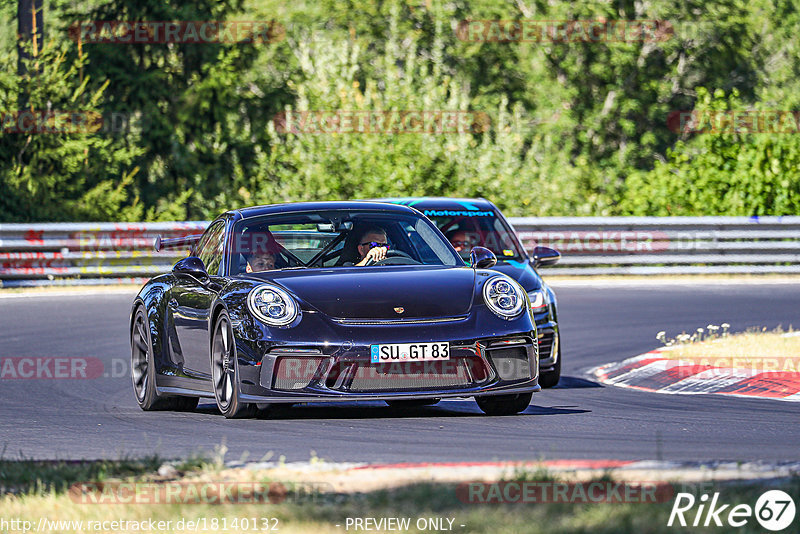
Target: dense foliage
578 128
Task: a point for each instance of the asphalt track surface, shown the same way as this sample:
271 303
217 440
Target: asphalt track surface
94 418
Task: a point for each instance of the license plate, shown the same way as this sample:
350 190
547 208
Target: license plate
409 352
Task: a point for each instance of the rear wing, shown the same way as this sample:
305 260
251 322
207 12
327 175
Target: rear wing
176 242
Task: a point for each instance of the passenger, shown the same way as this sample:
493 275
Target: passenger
373 245
260 261
260 250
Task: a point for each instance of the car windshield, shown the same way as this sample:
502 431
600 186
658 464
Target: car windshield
466 229
335 238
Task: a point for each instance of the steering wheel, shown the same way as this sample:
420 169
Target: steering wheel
394 257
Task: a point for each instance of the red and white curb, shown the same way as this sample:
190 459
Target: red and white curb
655 372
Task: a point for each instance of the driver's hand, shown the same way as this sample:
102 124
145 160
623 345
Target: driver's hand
376 254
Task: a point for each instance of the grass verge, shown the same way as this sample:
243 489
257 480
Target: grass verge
756 350
44 477
43 499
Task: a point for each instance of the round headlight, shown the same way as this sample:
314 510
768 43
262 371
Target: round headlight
272 305
503 296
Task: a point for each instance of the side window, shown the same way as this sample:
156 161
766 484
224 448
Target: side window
209 249
418 242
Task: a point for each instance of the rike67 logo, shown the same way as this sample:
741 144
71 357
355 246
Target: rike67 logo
774 510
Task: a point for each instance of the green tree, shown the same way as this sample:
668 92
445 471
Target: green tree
721 173
519 172
186 101
70 173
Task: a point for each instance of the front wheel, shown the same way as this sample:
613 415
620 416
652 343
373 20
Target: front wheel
225 370
504 404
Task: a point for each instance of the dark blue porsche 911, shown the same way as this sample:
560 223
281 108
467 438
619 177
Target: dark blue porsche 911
331 301
477 222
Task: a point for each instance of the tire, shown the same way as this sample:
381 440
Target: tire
504 404
412 403
143 371
225 370
550 378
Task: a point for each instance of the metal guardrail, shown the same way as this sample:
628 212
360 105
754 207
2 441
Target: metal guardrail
102 253
666 245
87 253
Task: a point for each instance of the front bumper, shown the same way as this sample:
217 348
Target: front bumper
506 364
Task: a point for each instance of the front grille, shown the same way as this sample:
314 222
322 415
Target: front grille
379 322
401 376
293 372
511 363
545 345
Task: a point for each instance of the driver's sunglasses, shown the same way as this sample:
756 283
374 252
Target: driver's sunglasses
463 243
373 244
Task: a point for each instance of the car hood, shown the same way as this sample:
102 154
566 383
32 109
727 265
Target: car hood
377 292
522 272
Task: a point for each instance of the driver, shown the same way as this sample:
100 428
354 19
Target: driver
372 246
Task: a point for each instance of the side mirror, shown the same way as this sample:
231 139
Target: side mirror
544 256
192 266
482 258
